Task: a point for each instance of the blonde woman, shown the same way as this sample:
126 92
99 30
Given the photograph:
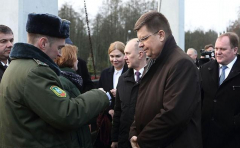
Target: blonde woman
108 81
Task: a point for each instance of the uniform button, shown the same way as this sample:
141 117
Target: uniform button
215 100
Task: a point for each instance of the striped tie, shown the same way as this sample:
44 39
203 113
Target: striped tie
137 73
222 77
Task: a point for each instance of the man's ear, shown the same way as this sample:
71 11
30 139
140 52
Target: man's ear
235 50
162 35
42 43
141 54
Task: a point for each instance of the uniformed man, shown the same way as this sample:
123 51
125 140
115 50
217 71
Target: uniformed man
34 109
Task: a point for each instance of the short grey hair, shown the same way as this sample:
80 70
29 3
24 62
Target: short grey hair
194 50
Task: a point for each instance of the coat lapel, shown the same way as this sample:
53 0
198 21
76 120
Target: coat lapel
110 78
125 68
234 71
129 76
4 67
213 70
111 73
1 66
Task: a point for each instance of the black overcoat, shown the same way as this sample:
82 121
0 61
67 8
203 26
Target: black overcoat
83 72
106 81
124 109
221 106
168 105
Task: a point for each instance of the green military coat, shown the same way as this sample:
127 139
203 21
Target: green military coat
35 112
82 136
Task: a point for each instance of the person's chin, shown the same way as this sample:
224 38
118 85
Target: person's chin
115 65
7 52
129 66
6 55
149 55
220 61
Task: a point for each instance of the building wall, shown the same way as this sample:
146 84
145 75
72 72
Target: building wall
174 12
14 14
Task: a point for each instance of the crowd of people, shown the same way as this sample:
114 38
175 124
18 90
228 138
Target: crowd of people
154 95
207 54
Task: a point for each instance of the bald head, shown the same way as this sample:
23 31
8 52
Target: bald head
135 57
133 44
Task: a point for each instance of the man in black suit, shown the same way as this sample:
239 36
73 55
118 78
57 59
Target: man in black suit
221 95
126 97
6 43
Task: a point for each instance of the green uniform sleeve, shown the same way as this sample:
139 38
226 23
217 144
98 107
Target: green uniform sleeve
44 96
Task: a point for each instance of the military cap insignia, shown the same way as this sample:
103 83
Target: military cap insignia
40 62
58 91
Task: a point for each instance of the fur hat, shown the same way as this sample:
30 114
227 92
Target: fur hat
68 41
47 24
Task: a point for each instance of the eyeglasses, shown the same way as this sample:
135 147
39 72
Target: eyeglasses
146 37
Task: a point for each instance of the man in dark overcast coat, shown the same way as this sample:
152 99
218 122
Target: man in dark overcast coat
221 99
169 99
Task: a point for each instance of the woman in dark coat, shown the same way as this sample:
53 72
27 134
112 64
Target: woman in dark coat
72 82
108 81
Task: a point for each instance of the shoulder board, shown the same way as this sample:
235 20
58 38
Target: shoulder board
40 62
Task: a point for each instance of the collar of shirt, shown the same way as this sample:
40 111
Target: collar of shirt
116 76
228 69
141 71
3 64
117 72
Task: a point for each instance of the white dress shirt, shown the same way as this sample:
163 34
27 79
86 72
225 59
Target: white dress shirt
116 75
141 71
228 69
3 64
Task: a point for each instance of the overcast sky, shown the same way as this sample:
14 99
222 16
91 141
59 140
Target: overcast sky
203 14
